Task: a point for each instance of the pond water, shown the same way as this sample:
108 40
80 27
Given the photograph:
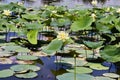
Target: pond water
49 70
68 3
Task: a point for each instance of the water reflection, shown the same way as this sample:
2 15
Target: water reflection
69 3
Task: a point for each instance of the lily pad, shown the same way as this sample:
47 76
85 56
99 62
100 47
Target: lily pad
6 73
7 44
27 57
97 66
81 70
111 53
103 78
24 67
111 75
14 48
93 45
6 53
53 47
71 76
27 75
71 61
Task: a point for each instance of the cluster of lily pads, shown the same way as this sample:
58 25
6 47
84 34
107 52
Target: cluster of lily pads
95 28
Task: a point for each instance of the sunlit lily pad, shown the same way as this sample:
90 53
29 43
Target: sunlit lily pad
23 68
97 66
15 48
71 61
103 78
27 75
6 73
27 57
22 50
81 70
111 75
24 62
70 76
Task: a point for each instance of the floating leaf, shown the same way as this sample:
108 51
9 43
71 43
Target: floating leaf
54 46
111 53
103 78
97 66
111 75
6 54
31 16
11 48
6 73
24 67
22 49
81 70
71 76
32 36
71 61
27 75
93 45
83 23
7 44
27 57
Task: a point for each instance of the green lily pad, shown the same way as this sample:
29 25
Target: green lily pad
53 47
71 76
7 44
27 75
71 61
81 70
83 52
6 54
22 50
32 36
111 53
103 78
93 45
83 23
27 57
97 66
6 73
14 48
111 75
24 67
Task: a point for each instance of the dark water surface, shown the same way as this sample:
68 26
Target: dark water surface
68 3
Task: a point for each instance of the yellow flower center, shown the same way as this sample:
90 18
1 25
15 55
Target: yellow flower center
7 12
63 36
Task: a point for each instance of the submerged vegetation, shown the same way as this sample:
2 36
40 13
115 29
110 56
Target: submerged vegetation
81 41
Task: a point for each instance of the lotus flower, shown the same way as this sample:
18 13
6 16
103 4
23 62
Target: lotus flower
94 2
63 36
7 12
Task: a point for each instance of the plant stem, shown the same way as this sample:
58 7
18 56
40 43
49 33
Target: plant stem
110 67
93 53
74 66
86 53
